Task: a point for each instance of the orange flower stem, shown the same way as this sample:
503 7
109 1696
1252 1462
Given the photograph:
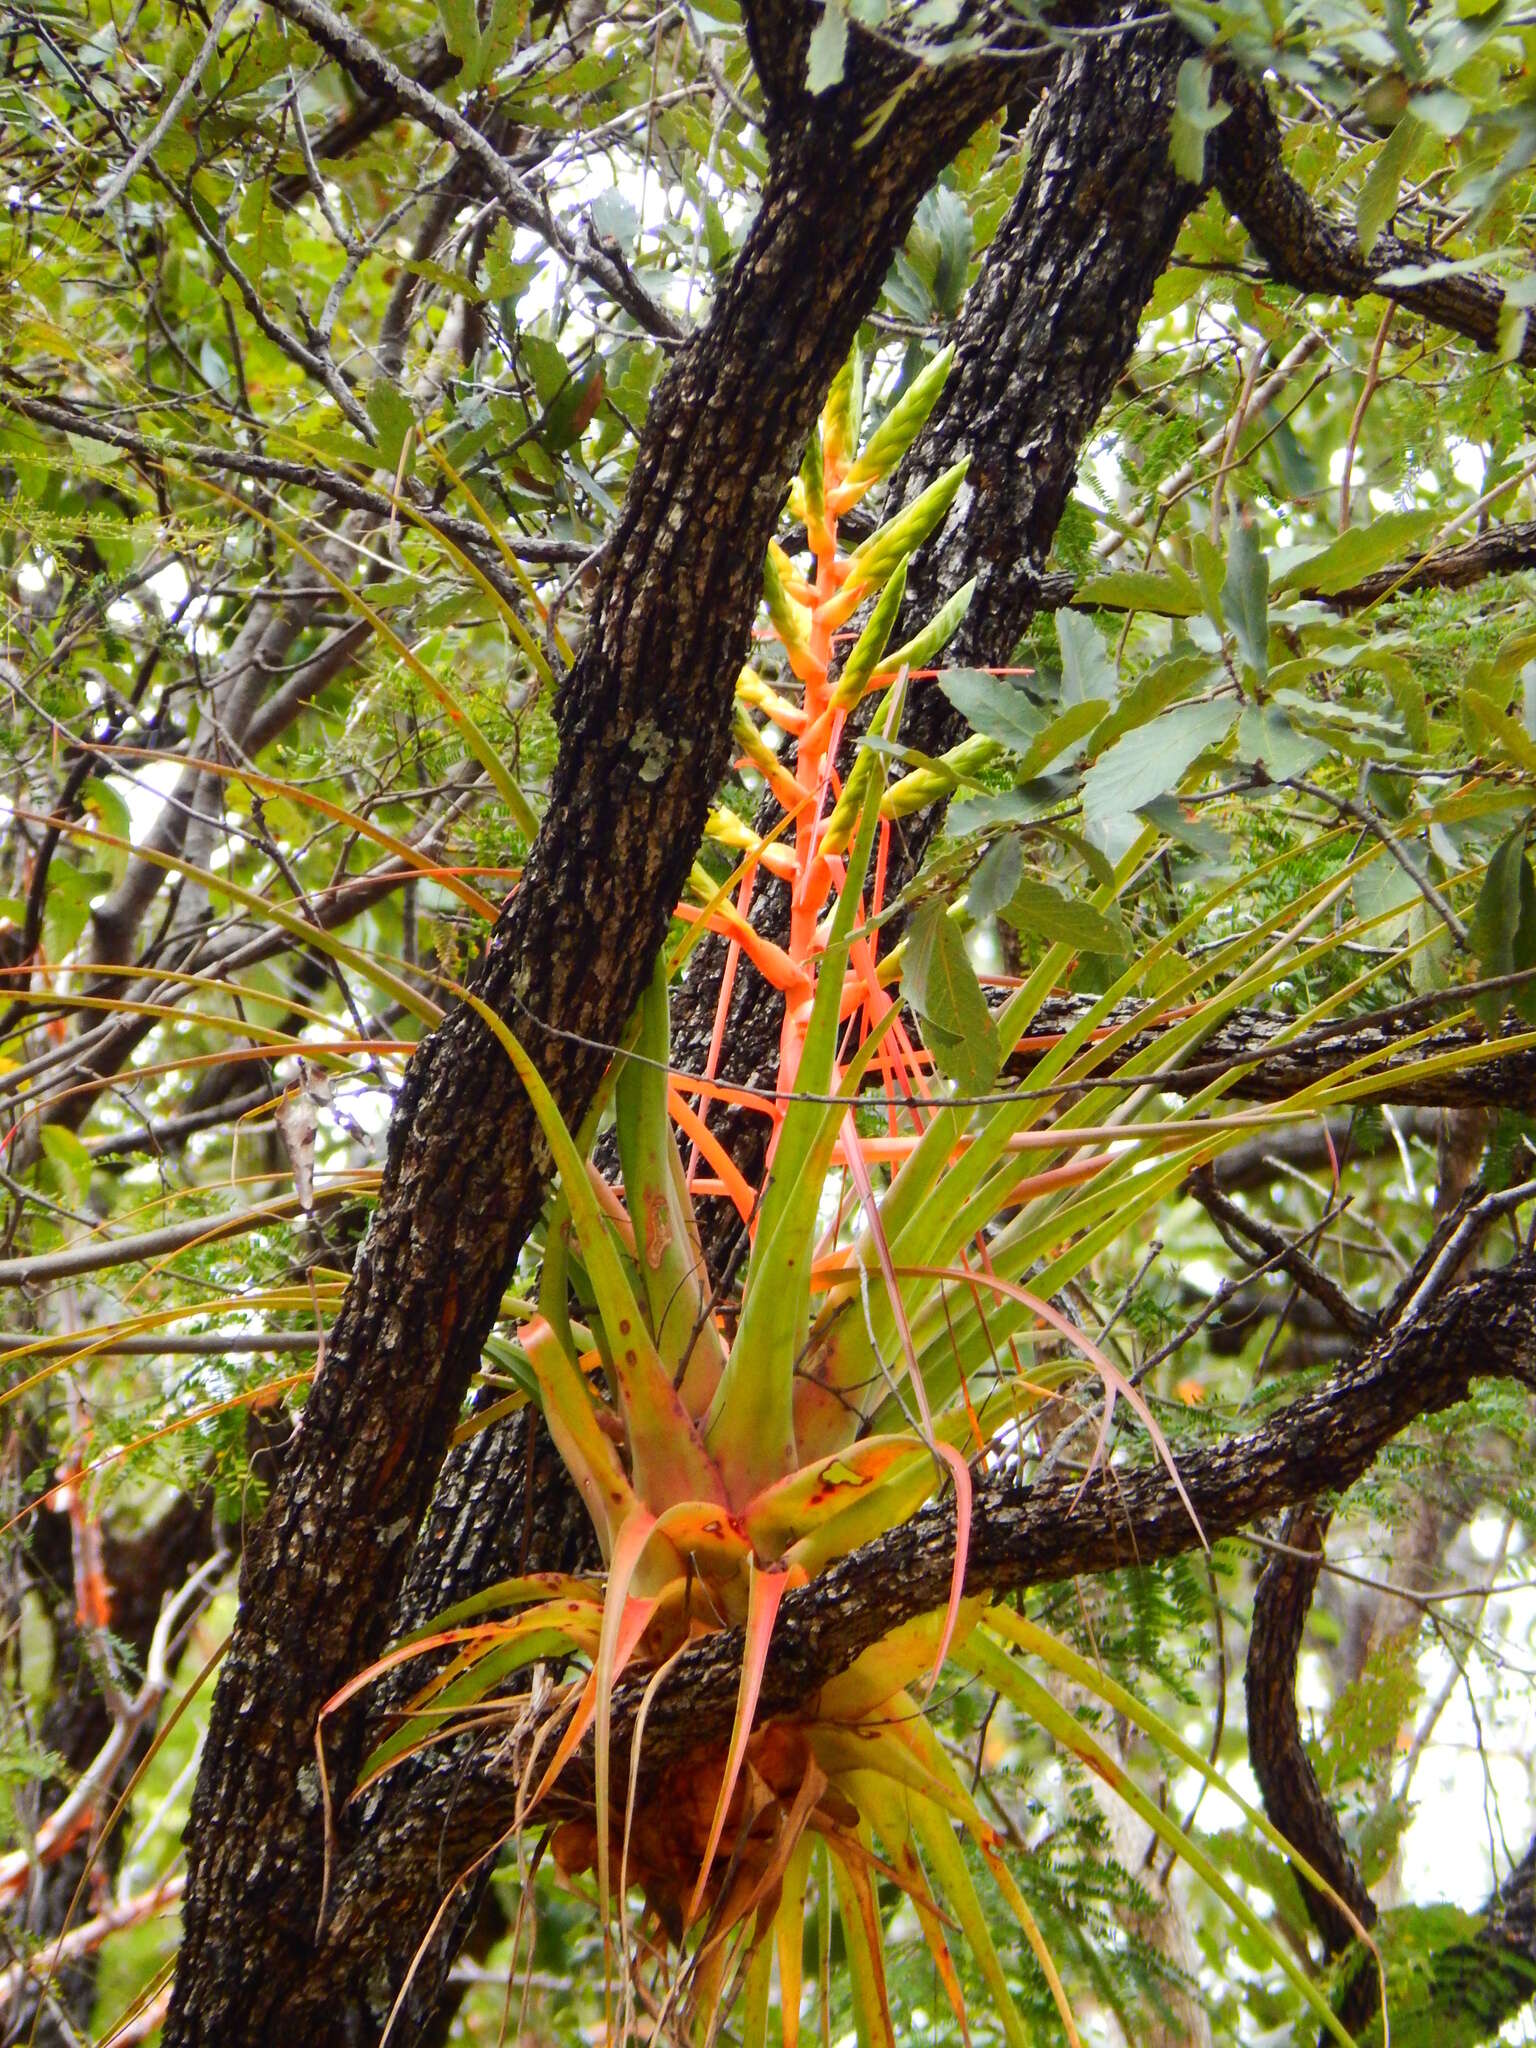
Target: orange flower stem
727 988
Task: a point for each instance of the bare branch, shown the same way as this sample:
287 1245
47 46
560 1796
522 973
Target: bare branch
1293 1798
200 457
362 61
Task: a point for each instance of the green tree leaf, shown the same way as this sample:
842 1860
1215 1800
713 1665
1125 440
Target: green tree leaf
992 705
940 983
1086 670
1194 116
1045 913
390 411
1245 595
1502 932
1378 194
1356 554
1152 761
995 879
828 48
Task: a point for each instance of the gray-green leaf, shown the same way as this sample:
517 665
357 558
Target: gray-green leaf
1151 761
1085 667
1503 928
1378 195
1358 553
1266 735
1245 596
992 705
392 417
828 48
1045 913
995 879
940 983
1194 116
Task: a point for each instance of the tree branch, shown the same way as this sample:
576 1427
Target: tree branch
200 457
1293 1799
374 72
1065 1525
1251 1050
1303 247
1280 1252
1501 551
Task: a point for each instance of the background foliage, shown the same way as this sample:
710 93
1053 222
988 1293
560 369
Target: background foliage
308 456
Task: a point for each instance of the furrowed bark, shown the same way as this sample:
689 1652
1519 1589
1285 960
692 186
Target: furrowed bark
1293 1799
644 724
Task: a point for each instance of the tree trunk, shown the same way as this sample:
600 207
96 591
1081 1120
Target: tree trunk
644 726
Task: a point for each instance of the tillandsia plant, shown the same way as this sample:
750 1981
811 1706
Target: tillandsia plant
921 1245
898 1319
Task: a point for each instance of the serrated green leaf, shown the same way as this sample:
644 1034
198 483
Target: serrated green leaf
1357 554
392 417
1061 737
67 1153
1153 760
1245 595
1086 671
1044 913
1502 932
505 24
508 280
1266 736
1174 677
940 983
461 32
996 878
993 706
1170 596
1381 888
1506 732
1378 194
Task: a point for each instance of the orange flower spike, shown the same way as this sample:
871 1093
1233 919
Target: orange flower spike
771 961
840 420
751 689
816 882
704 1141
727 989
787 792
